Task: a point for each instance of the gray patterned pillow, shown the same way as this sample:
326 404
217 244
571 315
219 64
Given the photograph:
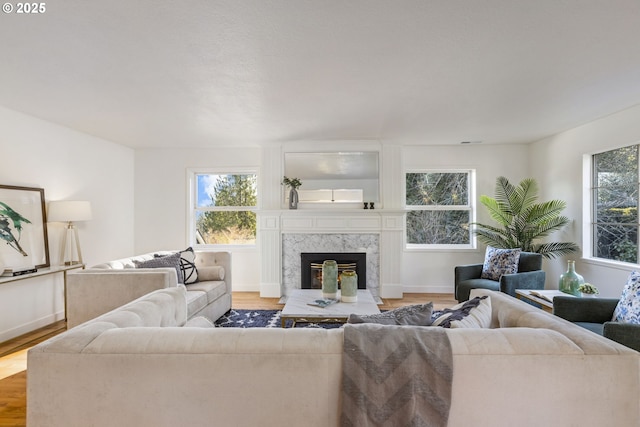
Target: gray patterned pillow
499 261
475 313
172 260
416 315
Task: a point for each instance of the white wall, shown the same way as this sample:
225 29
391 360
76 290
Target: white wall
556 163
69 165
432 270
161 202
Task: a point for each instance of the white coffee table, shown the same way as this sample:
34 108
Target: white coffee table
297 307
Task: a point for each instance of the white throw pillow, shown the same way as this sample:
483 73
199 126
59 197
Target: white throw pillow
475 313
628 308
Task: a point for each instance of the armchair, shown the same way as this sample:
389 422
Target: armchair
595 314
529 276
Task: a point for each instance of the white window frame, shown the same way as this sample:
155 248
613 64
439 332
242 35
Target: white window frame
192 208
470 207
588 214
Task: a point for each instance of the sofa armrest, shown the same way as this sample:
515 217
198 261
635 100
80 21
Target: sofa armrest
526 280
93 292
624 333
591 310
467 272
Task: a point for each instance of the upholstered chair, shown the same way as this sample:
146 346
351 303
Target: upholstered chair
529 276
596 314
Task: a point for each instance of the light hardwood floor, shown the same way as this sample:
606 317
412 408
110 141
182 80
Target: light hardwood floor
13 353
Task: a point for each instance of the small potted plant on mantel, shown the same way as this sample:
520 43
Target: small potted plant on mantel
588 290
293 184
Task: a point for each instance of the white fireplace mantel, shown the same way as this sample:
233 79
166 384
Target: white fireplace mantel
386 225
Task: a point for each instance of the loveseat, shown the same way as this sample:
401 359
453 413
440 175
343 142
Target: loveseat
104 287
139 365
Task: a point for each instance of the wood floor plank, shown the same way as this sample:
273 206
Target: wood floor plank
13 386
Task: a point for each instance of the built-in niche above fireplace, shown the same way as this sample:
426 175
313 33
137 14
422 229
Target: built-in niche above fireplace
311 267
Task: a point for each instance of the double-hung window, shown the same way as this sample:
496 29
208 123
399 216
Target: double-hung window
614 186
223 208
439 209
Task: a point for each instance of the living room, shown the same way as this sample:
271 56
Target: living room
71 126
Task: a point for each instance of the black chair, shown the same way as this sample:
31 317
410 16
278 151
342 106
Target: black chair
595 314
529 276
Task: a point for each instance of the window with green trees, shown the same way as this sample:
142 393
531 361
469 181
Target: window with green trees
615 205
224 210
439 208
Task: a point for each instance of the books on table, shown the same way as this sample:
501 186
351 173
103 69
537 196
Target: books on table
322 303
548 295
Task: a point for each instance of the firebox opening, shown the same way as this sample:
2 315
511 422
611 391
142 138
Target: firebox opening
311 267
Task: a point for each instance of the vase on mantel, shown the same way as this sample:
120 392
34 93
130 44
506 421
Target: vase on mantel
293 199
570 280
330 279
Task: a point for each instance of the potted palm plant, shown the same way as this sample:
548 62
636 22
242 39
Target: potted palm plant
522 221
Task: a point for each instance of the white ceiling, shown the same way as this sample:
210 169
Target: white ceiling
158 73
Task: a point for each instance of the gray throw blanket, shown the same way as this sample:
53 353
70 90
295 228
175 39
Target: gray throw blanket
396 376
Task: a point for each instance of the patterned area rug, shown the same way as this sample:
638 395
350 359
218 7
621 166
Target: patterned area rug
263 319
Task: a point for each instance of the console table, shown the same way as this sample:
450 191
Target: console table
44 272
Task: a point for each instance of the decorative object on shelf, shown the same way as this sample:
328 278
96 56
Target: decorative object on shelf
366 205
293 184
329 279
521 220
349 286
570 280
70 211
371 206
23 228
588 290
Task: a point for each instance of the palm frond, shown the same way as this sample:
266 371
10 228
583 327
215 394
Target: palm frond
556 249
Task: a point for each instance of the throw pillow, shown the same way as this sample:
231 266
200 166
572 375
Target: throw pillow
417 315
628 308
172 260
188 266
499 261
475 313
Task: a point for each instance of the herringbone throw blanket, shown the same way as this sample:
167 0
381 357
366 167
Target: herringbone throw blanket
396 376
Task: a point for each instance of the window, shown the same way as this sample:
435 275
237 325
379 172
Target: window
224 209
439 209
615 205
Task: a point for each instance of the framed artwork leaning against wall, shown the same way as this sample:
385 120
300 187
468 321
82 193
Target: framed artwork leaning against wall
24 242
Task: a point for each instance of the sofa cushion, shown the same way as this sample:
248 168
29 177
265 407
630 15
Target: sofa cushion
475 313
499 261
172 260
213 290
628 308
416 315
196 301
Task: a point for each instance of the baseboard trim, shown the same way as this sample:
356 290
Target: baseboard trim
31 326
428 289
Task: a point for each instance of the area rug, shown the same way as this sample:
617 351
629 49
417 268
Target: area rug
263 319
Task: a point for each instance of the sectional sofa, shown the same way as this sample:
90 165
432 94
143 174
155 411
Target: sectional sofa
144 364
109 285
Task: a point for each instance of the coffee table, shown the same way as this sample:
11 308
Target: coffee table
546 305
297 307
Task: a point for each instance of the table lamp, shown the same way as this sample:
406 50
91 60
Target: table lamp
70 211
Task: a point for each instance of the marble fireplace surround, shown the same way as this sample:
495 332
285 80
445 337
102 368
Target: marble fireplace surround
294 244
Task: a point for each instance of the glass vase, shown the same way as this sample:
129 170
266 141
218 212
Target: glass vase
349 286
570 280
329 279
293 199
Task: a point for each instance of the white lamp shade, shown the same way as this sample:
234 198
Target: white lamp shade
69 211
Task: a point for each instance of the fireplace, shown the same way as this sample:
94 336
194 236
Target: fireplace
311 267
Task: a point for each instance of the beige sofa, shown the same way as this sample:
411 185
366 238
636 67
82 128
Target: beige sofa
139 366
109 285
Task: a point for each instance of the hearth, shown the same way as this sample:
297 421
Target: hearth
311 267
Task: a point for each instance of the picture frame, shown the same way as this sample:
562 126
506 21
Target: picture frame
24 242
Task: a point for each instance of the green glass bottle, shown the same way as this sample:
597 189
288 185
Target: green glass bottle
570 280
349 286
